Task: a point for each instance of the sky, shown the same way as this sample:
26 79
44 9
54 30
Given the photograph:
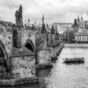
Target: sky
55 11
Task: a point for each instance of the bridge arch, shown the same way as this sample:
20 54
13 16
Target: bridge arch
4 56
29 45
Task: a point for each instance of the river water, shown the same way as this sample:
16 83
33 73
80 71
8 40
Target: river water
70 76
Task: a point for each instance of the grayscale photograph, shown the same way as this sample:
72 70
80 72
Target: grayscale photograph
43 43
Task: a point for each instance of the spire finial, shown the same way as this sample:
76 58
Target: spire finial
20 8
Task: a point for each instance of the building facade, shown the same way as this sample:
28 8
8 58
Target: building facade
63 27
80 23
80 27
81 37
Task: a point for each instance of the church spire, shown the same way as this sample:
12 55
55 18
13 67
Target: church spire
43 19
20 8
43 25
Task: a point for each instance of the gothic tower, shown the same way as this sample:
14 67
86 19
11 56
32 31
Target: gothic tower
75 23
52 30
19 18
43 26
78 21
18 29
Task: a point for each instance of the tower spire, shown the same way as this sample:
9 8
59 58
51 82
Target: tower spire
20 8
43 19
43 25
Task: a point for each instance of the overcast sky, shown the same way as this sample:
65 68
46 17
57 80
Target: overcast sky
54 10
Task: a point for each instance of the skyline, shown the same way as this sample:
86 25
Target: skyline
53 10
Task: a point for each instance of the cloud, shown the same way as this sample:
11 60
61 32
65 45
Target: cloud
54 10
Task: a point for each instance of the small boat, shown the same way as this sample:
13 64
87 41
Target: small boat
74 60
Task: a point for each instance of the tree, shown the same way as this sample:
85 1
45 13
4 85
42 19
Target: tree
70 36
